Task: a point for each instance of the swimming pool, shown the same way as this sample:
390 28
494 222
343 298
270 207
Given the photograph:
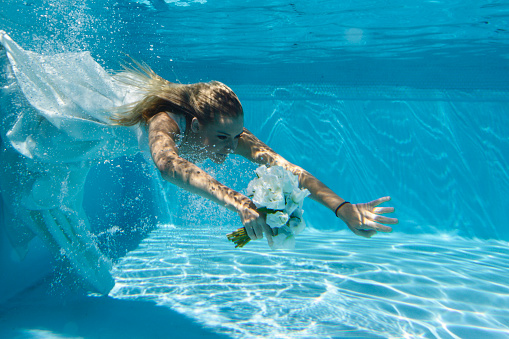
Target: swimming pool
349 91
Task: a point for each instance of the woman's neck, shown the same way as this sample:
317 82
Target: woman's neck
191 149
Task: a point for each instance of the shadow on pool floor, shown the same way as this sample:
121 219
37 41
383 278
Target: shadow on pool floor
39 314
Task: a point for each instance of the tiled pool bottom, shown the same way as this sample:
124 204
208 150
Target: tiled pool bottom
334 285
192 283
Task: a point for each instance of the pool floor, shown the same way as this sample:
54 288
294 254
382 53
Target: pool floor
333 285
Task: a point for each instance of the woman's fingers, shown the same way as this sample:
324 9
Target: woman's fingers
371 227
253 222
250 232
381 219
257 234
267 230
363 233
367 219
269 234
377 227
375 212
375 221
379 201
383 210
255 229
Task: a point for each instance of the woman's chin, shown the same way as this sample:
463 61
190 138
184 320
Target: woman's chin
218 158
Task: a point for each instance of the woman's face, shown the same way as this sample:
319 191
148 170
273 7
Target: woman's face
219 138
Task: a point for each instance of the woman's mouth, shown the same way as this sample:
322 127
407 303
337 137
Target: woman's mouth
219 158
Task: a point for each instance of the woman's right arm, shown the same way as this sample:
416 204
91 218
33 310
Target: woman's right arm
162 134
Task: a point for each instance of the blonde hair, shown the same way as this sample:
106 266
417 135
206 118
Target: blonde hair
204 101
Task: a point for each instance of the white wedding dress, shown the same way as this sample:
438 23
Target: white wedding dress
54 125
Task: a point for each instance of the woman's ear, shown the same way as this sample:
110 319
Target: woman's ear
195 125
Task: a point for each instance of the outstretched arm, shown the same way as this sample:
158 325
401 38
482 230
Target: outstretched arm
182 173
363 219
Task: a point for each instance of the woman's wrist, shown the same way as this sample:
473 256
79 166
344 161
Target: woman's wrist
340 206
243 202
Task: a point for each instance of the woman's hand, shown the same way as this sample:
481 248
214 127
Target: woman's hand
365 219
254 223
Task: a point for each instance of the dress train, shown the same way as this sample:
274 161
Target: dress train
54 125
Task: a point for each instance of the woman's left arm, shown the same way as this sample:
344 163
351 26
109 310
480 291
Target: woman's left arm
362 219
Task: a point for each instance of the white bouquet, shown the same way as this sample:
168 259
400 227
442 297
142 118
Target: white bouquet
276 192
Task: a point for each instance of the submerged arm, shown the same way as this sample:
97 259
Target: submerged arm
182 173
358 217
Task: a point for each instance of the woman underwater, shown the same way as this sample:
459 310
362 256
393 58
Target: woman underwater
62 114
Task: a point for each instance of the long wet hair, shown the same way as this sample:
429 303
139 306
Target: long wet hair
204 101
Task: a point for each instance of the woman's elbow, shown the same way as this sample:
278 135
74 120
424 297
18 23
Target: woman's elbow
167 168
175 169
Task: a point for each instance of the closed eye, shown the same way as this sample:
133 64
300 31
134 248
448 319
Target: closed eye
222 137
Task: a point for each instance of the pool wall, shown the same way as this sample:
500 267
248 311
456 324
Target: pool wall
440 154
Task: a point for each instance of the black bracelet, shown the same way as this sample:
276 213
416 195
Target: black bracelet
340 205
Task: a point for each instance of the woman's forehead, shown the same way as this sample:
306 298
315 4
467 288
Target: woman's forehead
229 124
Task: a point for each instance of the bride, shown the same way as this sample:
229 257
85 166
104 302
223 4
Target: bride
63 113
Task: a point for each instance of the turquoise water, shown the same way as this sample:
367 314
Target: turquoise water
374 98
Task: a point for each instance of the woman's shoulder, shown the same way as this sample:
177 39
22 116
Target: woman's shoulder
162 122
180 120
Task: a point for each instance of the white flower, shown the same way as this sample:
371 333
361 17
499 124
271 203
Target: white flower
275 198
276 188
290 207
261 171
291 182
298 196
284 240
295 200
277 219
297 224
252 187
267 190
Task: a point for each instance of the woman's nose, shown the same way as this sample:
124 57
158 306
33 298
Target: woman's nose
231 145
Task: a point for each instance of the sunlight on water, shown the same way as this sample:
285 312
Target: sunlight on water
332 285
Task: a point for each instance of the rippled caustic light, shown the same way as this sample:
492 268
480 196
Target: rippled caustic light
354 36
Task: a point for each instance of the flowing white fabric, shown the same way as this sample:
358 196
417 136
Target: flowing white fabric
54 126
74 95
